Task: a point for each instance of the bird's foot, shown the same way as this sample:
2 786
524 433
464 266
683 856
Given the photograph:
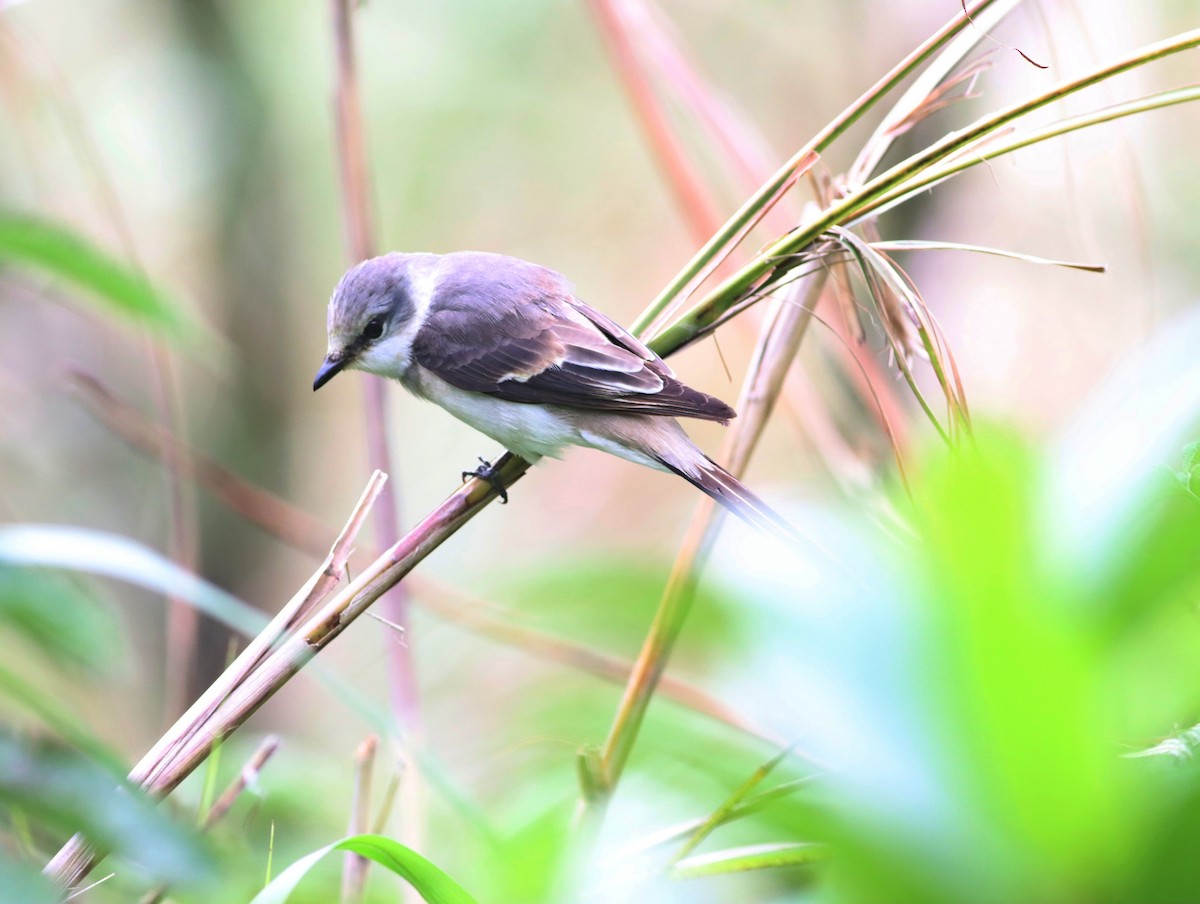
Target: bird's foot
488 472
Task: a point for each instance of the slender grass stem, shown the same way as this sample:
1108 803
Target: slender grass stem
360 244
805 158
764 269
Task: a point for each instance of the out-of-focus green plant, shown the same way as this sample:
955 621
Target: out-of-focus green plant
62 253
988 702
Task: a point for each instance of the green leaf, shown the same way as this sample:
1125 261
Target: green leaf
724 812
57 617
431 883
62 253
69 792
97 552
741 859
25 884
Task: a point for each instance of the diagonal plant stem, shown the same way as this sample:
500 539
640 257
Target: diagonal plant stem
247 777
804 159
683 177
158 771
772 359
770 265
360 245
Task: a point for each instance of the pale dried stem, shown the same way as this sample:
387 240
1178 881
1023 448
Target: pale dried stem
192 737
247 777
780 339
354 872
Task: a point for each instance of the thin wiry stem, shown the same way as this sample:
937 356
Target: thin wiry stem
804 159
759 393
764 270
360 245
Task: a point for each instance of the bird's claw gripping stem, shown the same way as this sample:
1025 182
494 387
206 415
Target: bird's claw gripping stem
489 473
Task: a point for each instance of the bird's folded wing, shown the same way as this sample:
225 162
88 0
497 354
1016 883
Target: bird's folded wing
553 350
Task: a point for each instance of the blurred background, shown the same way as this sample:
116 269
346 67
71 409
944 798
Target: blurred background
195 138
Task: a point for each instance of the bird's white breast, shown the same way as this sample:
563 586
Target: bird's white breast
529 431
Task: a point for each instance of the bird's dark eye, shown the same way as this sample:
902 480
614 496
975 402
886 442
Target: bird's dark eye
374 329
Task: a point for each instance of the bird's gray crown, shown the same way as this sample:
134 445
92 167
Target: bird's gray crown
376 288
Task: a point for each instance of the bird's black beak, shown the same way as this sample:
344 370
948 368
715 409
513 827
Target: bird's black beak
329 370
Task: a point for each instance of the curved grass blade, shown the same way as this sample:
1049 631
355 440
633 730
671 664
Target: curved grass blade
803 160
97 552
878 283
973 153
741 859
724 812
65 254
915 245
431 883
904 178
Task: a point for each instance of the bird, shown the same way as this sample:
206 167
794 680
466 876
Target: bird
506 346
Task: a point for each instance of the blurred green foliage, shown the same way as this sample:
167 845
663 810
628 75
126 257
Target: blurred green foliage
63 253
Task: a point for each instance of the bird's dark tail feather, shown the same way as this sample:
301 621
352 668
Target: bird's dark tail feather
724 488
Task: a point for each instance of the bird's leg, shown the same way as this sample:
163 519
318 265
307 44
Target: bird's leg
488 472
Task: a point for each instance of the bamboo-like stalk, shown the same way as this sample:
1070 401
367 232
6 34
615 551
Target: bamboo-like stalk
360 245
297 528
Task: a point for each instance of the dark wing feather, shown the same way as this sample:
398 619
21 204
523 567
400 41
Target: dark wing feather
527 340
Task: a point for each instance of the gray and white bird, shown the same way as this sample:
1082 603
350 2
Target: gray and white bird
505 346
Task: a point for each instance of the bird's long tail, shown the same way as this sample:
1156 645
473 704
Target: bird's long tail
713 480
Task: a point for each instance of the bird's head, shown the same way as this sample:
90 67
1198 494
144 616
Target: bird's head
370 318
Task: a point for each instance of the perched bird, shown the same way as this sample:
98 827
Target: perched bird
505 346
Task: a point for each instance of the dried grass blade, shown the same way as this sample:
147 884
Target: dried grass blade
915 245
937 72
